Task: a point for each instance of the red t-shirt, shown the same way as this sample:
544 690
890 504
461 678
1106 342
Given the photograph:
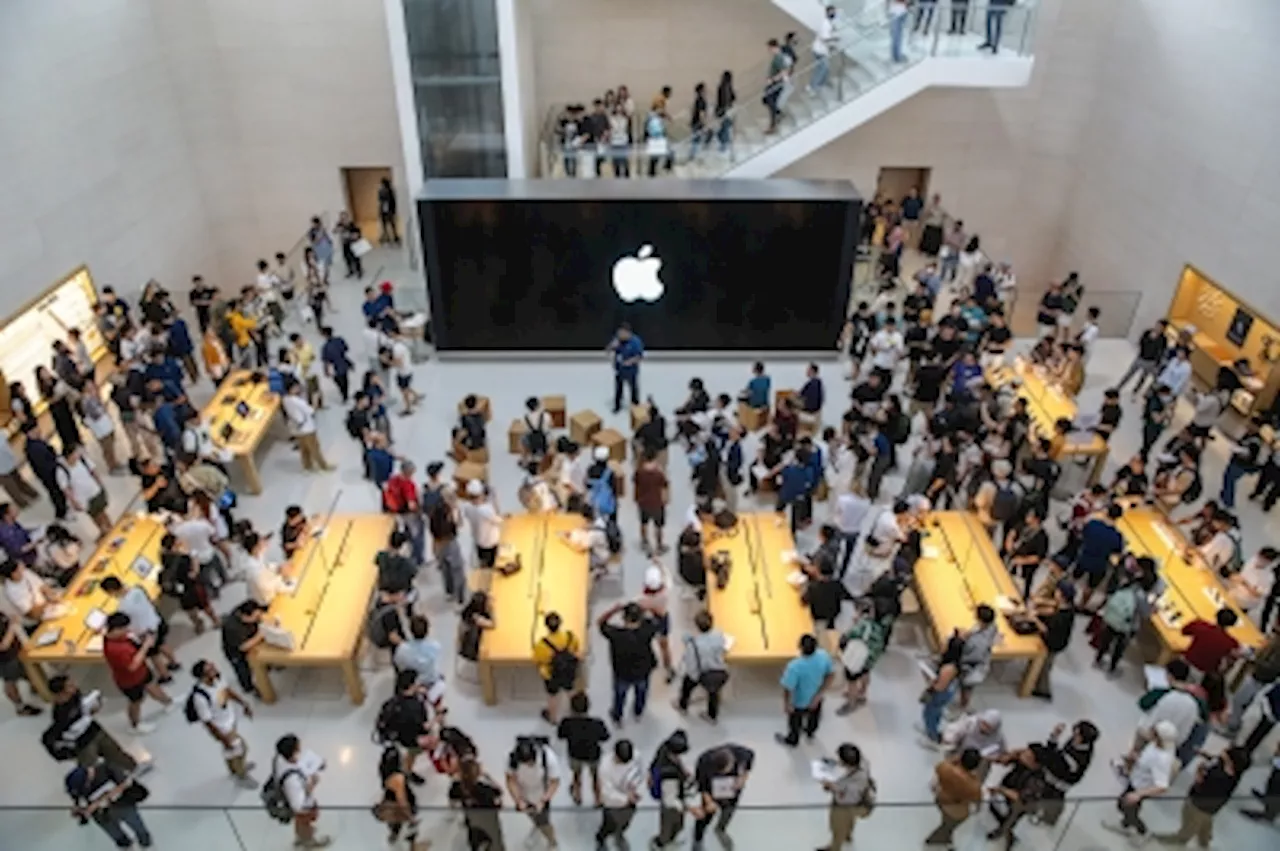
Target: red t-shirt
1210 644
119 653
400 494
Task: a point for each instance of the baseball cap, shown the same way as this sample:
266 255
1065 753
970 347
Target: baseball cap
653 578
475 487
600 453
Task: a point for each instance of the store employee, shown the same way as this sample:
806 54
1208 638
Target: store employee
628 351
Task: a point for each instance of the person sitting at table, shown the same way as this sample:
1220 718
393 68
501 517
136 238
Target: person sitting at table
697 402
28 595
160 488
476 617
1131 479
787 419
690 561
756 393
1224 543
293 531
62 550
470 430
591 539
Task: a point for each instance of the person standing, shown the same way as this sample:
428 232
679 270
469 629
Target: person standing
652 492
83 488
533 777
98 791
1152 347
631 655
704 665
557 655
584 734
621 780
698 132
11 669
1055 619
480 798
335 356
145 621
823 44
1215 783
127 660
897 29
349 234
12 480
388 227
241 633
803 681
1266 671
725 99
1244 461
297 773
957 787
1064 766
215 706
720 775
671 781
1176 372
1267 487
302 424
1149 776
628 350
996 10
852 795
486 522
1268 795
775 83
1157 411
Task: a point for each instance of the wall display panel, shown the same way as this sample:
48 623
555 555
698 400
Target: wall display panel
756 267
26 337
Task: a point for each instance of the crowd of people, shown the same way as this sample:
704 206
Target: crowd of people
924 408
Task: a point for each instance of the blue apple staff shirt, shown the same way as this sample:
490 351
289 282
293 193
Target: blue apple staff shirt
811 395
627 349
758 391
794 481
803 678
1099 541
334 353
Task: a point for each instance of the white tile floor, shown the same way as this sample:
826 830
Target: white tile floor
189 777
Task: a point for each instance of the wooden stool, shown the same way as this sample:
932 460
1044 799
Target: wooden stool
752 419
478 456
555 406
582 426
470 471
782 395
619 480
808 425
639 416
482 402
613 441
515 436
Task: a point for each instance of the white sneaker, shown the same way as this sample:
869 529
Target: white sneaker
142 728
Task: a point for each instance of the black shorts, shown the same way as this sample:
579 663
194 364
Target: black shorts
403 381
162 635
658 516
853 677
488 556
555 687
135 694
12 670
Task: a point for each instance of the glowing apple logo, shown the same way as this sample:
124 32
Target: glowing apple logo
636 278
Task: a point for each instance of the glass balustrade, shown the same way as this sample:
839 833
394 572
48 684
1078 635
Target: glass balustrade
872 46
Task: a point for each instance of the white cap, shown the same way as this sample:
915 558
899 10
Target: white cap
475 487
653 579
1167 733
600 453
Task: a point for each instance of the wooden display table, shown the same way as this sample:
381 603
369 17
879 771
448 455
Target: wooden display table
1192 590
328 610
582 426
556 406
613 441
1047 404
249 428
515 436
554 577
136 536
758 608
958 569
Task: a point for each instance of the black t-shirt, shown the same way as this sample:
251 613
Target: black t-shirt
1110 415
68 713
929 379
357 422
944 467
290 533
395 572
123 397
825 597
999 336
1152 345
917 340
865 392
1129 483
410 719
1214 789
704 772
631 650
1228 380
202 299
1049 307
959 323
585 735
1057 629
235 632
482 796
947 349
1033 544
441 522
914 304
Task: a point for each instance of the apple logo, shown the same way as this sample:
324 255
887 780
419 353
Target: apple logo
636 278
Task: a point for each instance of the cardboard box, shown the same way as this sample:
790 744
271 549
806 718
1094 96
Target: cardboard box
478 456
752 419
639 416
515 436
556 407
582 426
483 405
469 471
786 394
612 440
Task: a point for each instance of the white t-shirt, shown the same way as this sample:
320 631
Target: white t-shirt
578 472
8 461
1153 768
142 613
263 582
1088 334
373 341
1258 574
532 779
78 478
851 512
621 782
886 348
26 593
403 360
198 535
822 43
267 286
301 416
592 539
1178 708
212 706
486 524
1217 551
886 530
295 785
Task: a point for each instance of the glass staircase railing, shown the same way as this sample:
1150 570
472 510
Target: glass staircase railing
865 59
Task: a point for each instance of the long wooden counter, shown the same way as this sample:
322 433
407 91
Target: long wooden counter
762 612
960 568
134 540
248 429
1193 590
554 577
1047 404
328 610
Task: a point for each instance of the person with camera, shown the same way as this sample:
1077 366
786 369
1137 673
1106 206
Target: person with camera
533 777
631 655
109 797
704 666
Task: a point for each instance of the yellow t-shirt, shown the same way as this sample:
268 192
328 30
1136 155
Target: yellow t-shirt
562 640
241 325
305 355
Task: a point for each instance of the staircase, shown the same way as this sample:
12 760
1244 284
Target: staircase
863 82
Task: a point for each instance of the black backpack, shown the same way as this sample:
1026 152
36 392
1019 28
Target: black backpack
563 665
189 708
1007 501
375 629
56 746
1194 490
613 534
535 441
353 425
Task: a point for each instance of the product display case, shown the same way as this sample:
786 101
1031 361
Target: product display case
1224 329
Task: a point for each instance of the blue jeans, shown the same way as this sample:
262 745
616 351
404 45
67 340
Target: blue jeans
620 689
110 820
1230 477
897 28
571 164
415 528
725 133
631 380
1187 750
995 28
821 69
937 702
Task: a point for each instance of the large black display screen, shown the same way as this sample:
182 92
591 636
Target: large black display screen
560 273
